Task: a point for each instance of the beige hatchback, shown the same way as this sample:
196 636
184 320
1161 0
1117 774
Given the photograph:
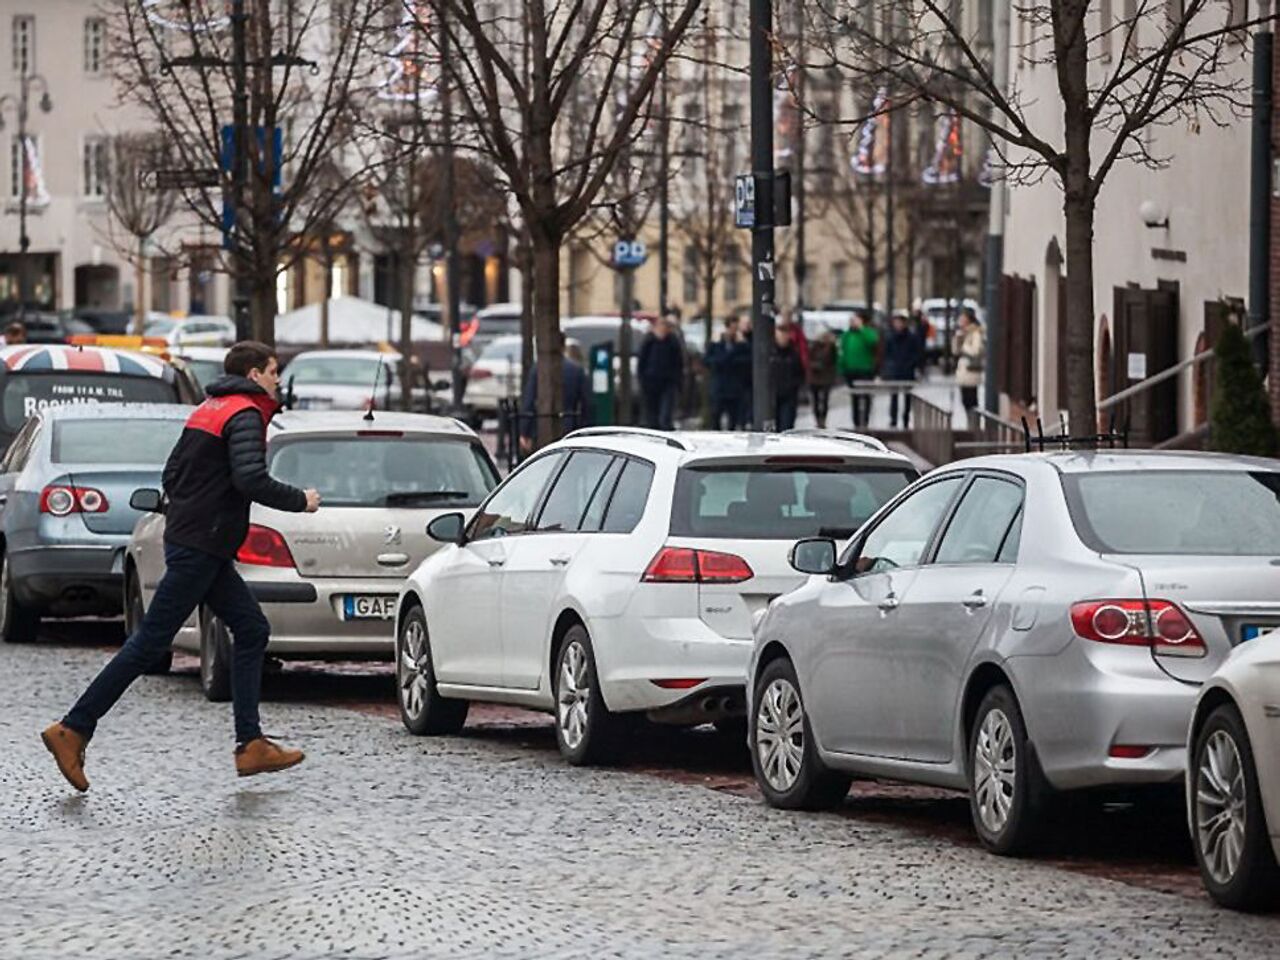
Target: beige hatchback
328 581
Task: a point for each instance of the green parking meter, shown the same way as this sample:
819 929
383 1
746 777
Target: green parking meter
602 384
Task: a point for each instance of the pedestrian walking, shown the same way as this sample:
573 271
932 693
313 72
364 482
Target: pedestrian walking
216 470
858 346
903 358
742 370
788 375
726 383
970 350
661 371
575 397
15 333
824 362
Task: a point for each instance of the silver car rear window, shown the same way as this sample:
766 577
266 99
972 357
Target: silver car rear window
1209 512
113 441
781 501
385 470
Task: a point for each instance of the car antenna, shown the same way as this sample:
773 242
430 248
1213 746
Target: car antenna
373 397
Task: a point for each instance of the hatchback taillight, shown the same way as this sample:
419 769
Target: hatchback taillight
264 547
685 565
63 500
1158 624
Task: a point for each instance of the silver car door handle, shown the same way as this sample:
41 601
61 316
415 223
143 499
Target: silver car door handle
560 561
974 601
393 559
889 603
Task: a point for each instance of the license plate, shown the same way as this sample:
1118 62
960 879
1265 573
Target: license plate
1251 631
378 607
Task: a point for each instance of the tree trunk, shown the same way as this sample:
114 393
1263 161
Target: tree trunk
328 295
546 332
140 289
408 267
262 303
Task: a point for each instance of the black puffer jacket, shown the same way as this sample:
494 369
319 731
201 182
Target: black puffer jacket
219 467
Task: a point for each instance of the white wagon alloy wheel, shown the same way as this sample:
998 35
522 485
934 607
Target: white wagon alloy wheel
422 709
1220 806
412 669
780 735
995 770
573 695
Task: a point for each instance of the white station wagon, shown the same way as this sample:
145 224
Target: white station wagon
618 571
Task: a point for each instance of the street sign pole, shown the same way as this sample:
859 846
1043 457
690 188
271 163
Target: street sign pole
239 172
628 254
762 266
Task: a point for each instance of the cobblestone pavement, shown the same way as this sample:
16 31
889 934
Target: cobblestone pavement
485 845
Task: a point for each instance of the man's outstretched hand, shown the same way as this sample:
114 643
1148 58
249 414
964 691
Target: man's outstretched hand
313 500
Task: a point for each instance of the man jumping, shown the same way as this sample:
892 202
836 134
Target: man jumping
217 468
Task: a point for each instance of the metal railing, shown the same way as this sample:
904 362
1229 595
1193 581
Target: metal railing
991 434
932 435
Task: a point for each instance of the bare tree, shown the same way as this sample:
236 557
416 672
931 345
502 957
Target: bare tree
135 207
515 71
1175 65
308 61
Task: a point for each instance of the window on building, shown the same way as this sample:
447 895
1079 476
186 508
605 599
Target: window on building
1106 23
732 276
691 264
95 44
24 45
93 182
1175 11
839 280
26 162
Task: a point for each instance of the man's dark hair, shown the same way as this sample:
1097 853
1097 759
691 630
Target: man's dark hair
16 329
247 355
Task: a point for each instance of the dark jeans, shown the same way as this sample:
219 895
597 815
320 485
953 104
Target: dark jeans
861 401
191 577
784 411
906 408
660 406
968 397
726 408
821 403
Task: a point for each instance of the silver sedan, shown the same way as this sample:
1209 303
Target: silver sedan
1014 626
328 581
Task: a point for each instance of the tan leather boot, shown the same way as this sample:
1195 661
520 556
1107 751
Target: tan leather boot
67 748
265 756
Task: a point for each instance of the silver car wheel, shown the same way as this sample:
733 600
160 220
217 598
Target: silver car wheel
573 695
995 770
780 735
1220 806
413 666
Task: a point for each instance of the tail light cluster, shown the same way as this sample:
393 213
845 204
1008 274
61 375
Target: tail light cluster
1158 624
264 547
685 565
60 501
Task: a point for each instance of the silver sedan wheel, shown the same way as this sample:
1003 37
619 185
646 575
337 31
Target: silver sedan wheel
780 735
573 695
4 593
1220 807
995 770
413 666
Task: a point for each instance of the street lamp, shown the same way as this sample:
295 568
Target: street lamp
21 106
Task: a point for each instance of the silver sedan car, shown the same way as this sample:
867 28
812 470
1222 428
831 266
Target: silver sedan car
328 581
1015 626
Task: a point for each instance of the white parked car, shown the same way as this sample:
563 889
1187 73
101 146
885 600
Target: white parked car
192 331
342 380
618 571
1233 776
328 581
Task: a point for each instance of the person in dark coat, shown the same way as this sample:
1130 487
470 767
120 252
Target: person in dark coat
824 362
660 366
726 381
788 376
903 357
575 398
216 470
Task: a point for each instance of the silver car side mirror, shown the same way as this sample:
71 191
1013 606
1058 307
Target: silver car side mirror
147 500
815 556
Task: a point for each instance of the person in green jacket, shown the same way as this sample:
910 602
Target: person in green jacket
858 347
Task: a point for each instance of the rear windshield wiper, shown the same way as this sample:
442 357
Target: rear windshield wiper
425 496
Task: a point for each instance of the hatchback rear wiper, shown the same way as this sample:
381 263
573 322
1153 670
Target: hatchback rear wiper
425 496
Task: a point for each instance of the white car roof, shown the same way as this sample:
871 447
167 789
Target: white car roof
189 352
353 421
389 356
1085 461
689 446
